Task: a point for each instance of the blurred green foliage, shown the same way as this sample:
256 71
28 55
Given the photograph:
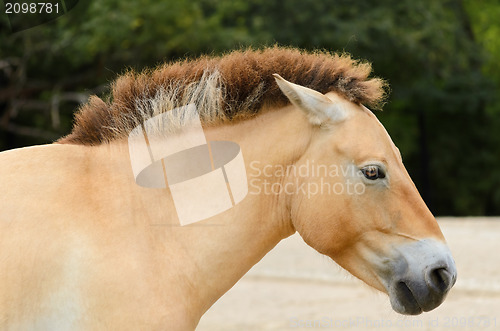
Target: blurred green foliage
440 58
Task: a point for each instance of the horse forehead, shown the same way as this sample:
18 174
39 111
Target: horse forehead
368 130
355 111
383 132
363 134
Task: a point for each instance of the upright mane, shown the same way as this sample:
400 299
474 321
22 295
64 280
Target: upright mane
227 88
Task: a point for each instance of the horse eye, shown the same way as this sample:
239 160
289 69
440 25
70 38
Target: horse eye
373 172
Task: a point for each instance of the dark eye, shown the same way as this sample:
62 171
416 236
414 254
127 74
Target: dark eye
373 172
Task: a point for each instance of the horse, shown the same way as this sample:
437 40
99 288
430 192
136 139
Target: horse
83 247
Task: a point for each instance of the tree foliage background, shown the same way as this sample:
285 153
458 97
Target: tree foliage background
440 58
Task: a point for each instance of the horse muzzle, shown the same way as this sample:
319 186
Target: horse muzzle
423 274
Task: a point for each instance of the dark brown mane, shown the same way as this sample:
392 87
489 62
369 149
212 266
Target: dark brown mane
234 86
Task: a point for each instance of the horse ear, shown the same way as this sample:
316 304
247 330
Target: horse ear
318 107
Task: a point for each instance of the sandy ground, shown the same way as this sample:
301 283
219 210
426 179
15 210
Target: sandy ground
294 287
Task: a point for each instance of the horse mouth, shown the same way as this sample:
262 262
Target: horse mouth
404 302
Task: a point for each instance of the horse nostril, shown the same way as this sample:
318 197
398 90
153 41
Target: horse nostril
440 279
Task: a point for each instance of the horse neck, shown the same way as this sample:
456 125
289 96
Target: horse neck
213 254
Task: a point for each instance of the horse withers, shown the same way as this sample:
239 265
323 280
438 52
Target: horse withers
83 247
